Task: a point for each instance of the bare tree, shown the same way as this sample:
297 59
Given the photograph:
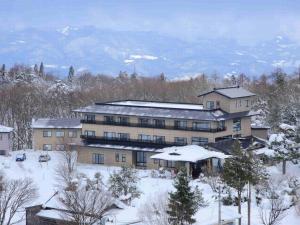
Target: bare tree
85 206
66 168
14 196
273 213
154 211
272 209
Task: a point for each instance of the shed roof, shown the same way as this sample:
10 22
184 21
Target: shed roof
231 92
56 123
4 129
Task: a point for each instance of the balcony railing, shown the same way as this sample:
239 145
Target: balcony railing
114 123
129 142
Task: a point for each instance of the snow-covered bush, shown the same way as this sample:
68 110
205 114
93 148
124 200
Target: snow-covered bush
123 184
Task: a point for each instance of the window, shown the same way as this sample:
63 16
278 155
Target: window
117 157
221 125
180 140
72 134
247 103
60 147
123 120
47 147
210 104
156 161
201 125
123 136
110 135
159 139
60 133
144 137
199 141
180 124
238 103
236 124
123 157
141 159
109 119
144 121
89 133
98 158
90 117
170 164
1 137
159 123
218 104
47 133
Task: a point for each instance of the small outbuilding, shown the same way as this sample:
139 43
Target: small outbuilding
6 140
195 158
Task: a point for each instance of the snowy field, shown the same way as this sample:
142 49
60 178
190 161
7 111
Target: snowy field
44 177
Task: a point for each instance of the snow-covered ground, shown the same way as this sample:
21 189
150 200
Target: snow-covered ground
44 176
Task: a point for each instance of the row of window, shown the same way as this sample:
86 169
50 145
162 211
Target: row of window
58 147
59 133
99 158
155 122
148 138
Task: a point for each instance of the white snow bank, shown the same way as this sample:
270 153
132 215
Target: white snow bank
286 127
265 151
276 137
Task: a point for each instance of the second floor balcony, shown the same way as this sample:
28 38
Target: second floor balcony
90 139
154 126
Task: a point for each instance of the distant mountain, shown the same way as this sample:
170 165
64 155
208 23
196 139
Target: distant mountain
108 52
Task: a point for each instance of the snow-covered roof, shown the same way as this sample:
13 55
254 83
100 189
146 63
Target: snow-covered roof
231 92
188 153
4 129
157 104
265 151
173 113
56 123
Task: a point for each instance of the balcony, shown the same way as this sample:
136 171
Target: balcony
130 142
143 125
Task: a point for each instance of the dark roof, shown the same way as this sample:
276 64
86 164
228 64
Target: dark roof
56 123
159 112
226 145
231 92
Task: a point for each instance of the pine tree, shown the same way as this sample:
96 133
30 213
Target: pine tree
123 184
240 170
36 69
71 74
2 71
41 70
183 203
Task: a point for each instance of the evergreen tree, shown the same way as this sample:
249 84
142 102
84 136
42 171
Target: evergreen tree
240 170
36 69
123 184
41 70
2 71
183 203
71 74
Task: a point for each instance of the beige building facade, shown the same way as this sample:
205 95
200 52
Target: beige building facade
136 130
55 134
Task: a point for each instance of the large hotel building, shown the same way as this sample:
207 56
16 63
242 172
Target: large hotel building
130 132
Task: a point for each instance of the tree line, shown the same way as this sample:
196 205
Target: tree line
30 92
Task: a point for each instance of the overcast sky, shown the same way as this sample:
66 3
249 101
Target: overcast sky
247 21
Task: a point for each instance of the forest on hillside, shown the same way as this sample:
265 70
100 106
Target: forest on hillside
28 93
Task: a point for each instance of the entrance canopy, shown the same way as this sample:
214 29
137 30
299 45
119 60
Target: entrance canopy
188 153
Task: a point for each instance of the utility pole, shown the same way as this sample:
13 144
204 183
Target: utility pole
219 213
249 203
